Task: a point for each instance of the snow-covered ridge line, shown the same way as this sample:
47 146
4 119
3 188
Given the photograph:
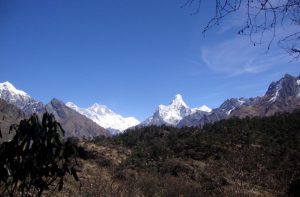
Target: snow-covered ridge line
20 98
105 117
9 87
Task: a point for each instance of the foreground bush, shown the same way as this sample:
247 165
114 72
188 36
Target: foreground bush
37 158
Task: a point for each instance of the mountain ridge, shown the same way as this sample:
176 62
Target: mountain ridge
105 117
75 124
281 96
20 99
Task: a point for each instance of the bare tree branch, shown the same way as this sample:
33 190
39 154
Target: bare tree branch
261 16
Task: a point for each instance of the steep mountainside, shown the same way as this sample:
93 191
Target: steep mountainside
9 114
75 124
281 96
20 99
105 117
173 113
220 113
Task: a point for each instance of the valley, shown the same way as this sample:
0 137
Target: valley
245 147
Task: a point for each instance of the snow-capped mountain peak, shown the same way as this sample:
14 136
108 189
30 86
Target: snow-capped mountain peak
100 109
105 117
20 98
178 101
71 105
172 114
9 87
202 108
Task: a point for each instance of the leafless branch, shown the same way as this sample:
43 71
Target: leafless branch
261 16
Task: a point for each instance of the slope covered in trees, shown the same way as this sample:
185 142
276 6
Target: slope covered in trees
231 157
234 157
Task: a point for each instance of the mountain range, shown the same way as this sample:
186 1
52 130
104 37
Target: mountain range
18 105
281 96
105 117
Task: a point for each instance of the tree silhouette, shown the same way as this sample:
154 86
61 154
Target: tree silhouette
261 16
36 159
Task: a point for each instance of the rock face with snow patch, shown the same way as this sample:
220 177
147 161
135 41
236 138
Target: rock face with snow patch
281 96
173 113
106 118
20 99
222 112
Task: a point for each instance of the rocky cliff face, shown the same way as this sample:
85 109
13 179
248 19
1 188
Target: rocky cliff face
9 114
281 96
75 124
222 112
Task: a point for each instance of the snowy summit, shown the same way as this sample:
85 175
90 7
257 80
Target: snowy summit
19 98
174 112
7 86
105 117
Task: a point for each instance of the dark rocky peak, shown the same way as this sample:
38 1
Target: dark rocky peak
57 103
287 86
233 103
75 124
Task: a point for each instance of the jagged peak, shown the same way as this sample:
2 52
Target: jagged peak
204 108
178 101
11 88
178 96
288 76
56 100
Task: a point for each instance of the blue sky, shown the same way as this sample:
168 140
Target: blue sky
131 55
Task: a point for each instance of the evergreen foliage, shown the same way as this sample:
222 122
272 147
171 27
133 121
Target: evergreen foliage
247 154
36 159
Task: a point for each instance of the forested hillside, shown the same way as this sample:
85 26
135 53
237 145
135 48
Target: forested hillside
251 157
234 157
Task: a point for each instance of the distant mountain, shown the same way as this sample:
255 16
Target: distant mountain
222 112
75 124
20 99
105 117
281 96
9 114
173 113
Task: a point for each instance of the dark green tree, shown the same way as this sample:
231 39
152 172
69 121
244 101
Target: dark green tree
36 159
